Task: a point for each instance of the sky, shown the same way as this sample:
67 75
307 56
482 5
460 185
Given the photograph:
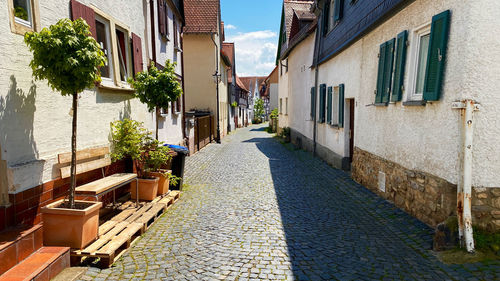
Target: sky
253 25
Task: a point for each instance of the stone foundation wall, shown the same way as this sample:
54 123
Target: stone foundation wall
425 196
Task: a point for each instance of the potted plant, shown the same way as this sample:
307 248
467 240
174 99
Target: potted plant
69 59
130 139
158 156
157 88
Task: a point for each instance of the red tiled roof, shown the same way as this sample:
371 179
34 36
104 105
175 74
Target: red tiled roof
202 16
240 83
249 82
228 50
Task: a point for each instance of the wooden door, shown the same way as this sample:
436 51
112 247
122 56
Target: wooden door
351 128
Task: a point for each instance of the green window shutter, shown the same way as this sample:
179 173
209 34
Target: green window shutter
399 71
389 60
436 56
380 76
322 95
313 90
341 105
339 10
329 106
326 12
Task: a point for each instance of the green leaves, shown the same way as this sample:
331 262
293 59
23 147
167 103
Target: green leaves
66 56
157 88
259 108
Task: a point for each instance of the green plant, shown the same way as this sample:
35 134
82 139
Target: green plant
20 12
69 59
234 104
274 113
130 139
258 108
285 134
174 180
157 88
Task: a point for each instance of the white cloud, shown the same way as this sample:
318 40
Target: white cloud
255 52
229 26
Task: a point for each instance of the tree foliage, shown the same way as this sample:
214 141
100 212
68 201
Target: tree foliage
66 55
258 108
157 88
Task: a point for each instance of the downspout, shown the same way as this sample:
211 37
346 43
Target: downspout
153 50
184 133
316 74
464 190
217 82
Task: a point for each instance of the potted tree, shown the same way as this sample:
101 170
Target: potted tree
69 59
158 156
157 88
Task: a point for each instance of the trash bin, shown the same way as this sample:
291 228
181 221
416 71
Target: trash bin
178 163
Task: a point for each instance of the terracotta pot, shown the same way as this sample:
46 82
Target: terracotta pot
163 183
148 188
70 227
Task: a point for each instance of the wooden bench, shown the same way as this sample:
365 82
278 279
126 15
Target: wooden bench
92 159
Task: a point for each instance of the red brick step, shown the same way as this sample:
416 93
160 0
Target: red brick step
44 264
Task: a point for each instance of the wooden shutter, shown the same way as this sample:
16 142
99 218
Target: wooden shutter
161 17
339 10
341 106
399 71
172 105
329 106
322 95
326 13
313 111
78 10
178 104
436 56
137 53
389 63
380 76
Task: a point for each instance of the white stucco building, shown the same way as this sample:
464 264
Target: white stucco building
378 89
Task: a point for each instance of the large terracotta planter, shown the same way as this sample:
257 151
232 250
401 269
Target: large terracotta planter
148 188
75 228
163 183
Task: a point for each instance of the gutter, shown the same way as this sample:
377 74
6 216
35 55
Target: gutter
217 84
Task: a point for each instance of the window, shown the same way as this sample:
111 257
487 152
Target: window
123 47
103 38
22 12
24 15
286 106
176 35
281 105
420 51
335 106
167 31
331 10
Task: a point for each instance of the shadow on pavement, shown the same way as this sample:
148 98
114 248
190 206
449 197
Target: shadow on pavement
337 229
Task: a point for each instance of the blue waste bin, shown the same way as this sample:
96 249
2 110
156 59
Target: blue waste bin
178 164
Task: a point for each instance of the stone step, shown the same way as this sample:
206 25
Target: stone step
44 264
16 244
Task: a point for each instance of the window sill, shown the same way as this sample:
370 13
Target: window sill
115 88
380 104
415 103
178 49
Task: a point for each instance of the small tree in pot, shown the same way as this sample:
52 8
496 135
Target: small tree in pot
157 88
69 59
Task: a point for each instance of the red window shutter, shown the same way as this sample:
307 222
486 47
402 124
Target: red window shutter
161 17
137 53
78 10
178 104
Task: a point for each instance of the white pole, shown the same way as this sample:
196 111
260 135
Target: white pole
467 176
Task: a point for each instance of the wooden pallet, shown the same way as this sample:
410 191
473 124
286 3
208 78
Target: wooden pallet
120 232
114 238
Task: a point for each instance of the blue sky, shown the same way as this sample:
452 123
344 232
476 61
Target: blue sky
253 25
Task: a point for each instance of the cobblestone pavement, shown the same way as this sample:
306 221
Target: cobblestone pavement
255 209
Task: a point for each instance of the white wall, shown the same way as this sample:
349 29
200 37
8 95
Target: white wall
283 94
35 124
273 96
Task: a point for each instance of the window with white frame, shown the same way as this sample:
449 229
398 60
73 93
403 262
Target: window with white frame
418 63
123 47
23 12
103 38
331 11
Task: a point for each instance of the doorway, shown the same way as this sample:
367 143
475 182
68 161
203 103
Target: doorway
352 105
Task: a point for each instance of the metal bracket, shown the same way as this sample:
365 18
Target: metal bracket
463 105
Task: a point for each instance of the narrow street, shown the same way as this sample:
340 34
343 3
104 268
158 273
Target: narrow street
256 209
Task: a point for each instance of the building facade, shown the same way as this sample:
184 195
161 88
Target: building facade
35 121
385 91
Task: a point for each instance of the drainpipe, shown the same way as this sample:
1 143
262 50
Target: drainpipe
316 74
217 82
464 189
